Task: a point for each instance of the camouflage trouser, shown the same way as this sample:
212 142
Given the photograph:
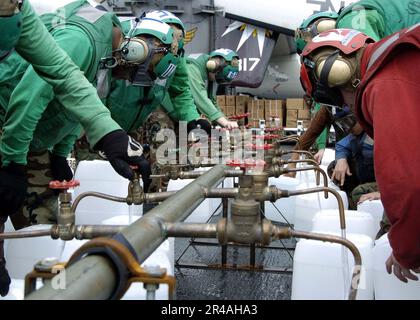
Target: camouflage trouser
363 189
42 202
83 151
146 135
156 121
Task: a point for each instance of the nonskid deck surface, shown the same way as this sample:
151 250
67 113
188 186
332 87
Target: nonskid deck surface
217 284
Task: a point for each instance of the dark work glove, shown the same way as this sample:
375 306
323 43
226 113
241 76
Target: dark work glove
199 124
13 187
4 279
122 151
60 168
145 169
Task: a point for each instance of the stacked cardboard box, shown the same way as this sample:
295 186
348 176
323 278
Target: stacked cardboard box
294 108
273 112
228 110
221 101
256 109
230 100
241 103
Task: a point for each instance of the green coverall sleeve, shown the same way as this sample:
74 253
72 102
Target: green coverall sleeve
180 95
71 88
321 141
32 95
369 22
65 146
199 92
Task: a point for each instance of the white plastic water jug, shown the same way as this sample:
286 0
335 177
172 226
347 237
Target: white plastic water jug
23 254
387 286
307 185
306 176
328 221
287 206
329 156
375 208
99 176
318 270
8 227
308 205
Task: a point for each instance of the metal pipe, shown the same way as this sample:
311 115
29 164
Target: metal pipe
288 139
221 193
158 196
94 278
318 169
348 244
190 230
83 232
316 164
307 153
229 173
25 234
80 197
321 189
80 232
310 161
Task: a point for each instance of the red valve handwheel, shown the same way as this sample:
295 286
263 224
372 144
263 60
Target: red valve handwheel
63 185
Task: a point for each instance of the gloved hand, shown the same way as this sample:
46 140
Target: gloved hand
122 151
225 123
199 124
13 187
60 168
4 279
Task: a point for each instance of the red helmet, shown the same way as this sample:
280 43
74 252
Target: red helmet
347 41
322 70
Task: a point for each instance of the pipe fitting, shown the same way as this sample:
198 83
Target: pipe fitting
260 182
66 217
245 225
135 192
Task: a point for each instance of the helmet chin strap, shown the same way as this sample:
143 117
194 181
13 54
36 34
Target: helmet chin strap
323 93
328 66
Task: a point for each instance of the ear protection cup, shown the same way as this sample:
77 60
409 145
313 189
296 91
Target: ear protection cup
323 92
337 72
211 65
325 25
134 50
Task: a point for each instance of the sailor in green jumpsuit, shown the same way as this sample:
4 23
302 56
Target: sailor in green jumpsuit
204 70
178 102
94 40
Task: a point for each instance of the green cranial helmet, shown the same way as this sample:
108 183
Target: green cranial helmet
152 27
138 49
230 70
169 18
10 26
227 54
310 28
